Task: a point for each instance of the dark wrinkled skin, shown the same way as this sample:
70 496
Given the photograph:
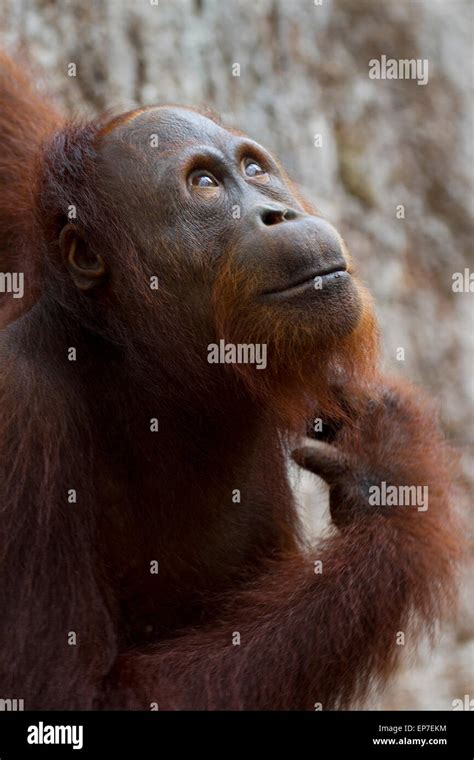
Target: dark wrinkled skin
275 240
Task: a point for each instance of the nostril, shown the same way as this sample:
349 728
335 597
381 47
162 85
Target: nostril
270 216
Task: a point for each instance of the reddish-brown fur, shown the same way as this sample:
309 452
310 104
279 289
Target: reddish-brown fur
306 638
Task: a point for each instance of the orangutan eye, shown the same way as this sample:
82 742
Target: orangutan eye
253 170
203 180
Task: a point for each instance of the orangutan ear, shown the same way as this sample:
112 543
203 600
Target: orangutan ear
87 269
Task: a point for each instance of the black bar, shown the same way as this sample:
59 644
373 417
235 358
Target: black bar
302 735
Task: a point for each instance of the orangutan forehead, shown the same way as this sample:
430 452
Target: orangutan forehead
167 127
